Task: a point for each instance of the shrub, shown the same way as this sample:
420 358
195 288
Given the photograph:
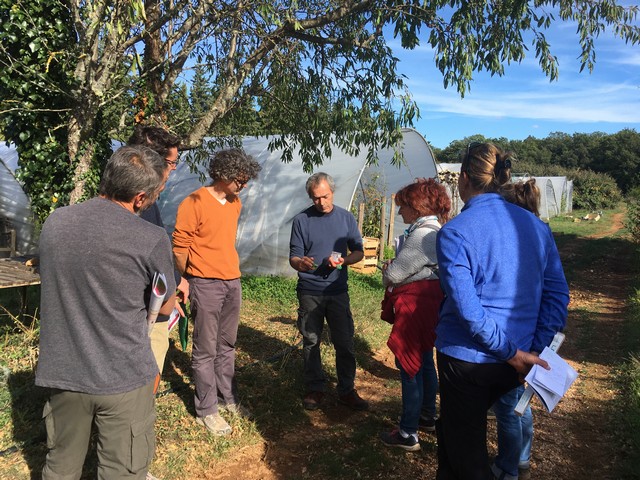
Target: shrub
633 214
594 191
372 193
591 190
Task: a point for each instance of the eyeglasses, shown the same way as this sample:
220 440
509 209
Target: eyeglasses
172 163
240 184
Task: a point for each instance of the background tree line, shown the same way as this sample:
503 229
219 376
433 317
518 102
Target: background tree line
603 166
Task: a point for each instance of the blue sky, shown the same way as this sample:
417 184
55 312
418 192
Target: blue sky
524 102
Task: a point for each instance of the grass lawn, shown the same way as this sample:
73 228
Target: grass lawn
340 444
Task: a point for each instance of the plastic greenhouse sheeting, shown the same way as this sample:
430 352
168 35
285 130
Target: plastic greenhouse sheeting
548 206
456 201
556 193
14 203
272 200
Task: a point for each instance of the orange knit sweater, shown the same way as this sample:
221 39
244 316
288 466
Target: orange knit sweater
205 232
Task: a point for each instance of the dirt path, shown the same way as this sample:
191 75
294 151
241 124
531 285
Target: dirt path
575 442
617 224
579 440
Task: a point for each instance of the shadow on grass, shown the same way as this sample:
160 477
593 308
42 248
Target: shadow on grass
29 435
593 263
598 271
332 442
366 360
177 366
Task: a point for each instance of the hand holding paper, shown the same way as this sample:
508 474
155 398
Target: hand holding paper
551 385
523 403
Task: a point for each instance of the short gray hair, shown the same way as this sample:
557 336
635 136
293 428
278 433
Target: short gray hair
131 170
316 179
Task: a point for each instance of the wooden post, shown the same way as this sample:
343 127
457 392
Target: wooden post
392 219
383 224
360 216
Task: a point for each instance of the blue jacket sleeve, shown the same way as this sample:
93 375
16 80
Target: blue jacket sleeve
555 300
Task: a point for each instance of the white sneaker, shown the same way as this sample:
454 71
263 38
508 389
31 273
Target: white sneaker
215 424
151 477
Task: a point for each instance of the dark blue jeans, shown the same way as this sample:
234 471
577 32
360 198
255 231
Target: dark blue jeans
313 311
418 394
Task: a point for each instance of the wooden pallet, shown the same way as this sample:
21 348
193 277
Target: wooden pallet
369 263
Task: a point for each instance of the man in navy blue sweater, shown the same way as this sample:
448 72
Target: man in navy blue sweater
324 239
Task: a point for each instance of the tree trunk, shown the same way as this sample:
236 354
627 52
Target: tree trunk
152 55
81 148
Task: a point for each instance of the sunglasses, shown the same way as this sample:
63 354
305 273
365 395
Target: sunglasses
464 157
473 145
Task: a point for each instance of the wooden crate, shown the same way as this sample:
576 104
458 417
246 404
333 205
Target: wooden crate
370 261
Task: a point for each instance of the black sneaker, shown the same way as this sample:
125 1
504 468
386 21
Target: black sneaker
427 424
395 439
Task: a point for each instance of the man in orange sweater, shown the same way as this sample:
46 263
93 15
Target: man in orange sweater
204 249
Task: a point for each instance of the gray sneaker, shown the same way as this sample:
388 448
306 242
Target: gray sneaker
215 424
235 409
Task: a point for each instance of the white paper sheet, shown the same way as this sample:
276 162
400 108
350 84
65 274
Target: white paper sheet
551 385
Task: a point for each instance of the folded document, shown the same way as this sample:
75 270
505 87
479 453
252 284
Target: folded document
551 385
158 292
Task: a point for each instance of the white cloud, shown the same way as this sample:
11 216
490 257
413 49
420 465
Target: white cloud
617 103
631 59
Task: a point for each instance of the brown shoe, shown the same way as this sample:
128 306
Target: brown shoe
353 400
312 400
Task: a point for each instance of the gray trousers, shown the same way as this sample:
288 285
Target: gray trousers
311 315
215 306
126 440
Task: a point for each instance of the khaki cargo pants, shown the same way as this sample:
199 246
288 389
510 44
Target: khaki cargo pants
124 424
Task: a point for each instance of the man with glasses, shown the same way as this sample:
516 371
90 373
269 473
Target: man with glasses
166 145
204 249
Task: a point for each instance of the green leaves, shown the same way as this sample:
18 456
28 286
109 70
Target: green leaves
34 69
310 73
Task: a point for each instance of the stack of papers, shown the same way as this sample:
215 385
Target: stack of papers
158 292
551 385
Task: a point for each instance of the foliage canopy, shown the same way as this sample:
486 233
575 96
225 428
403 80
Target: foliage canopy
307 71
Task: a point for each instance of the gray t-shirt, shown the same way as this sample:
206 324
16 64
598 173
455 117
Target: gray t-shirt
97 261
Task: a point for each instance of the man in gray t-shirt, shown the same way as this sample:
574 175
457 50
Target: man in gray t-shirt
97 260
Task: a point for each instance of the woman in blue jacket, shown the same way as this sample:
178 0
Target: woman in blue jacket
505 297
